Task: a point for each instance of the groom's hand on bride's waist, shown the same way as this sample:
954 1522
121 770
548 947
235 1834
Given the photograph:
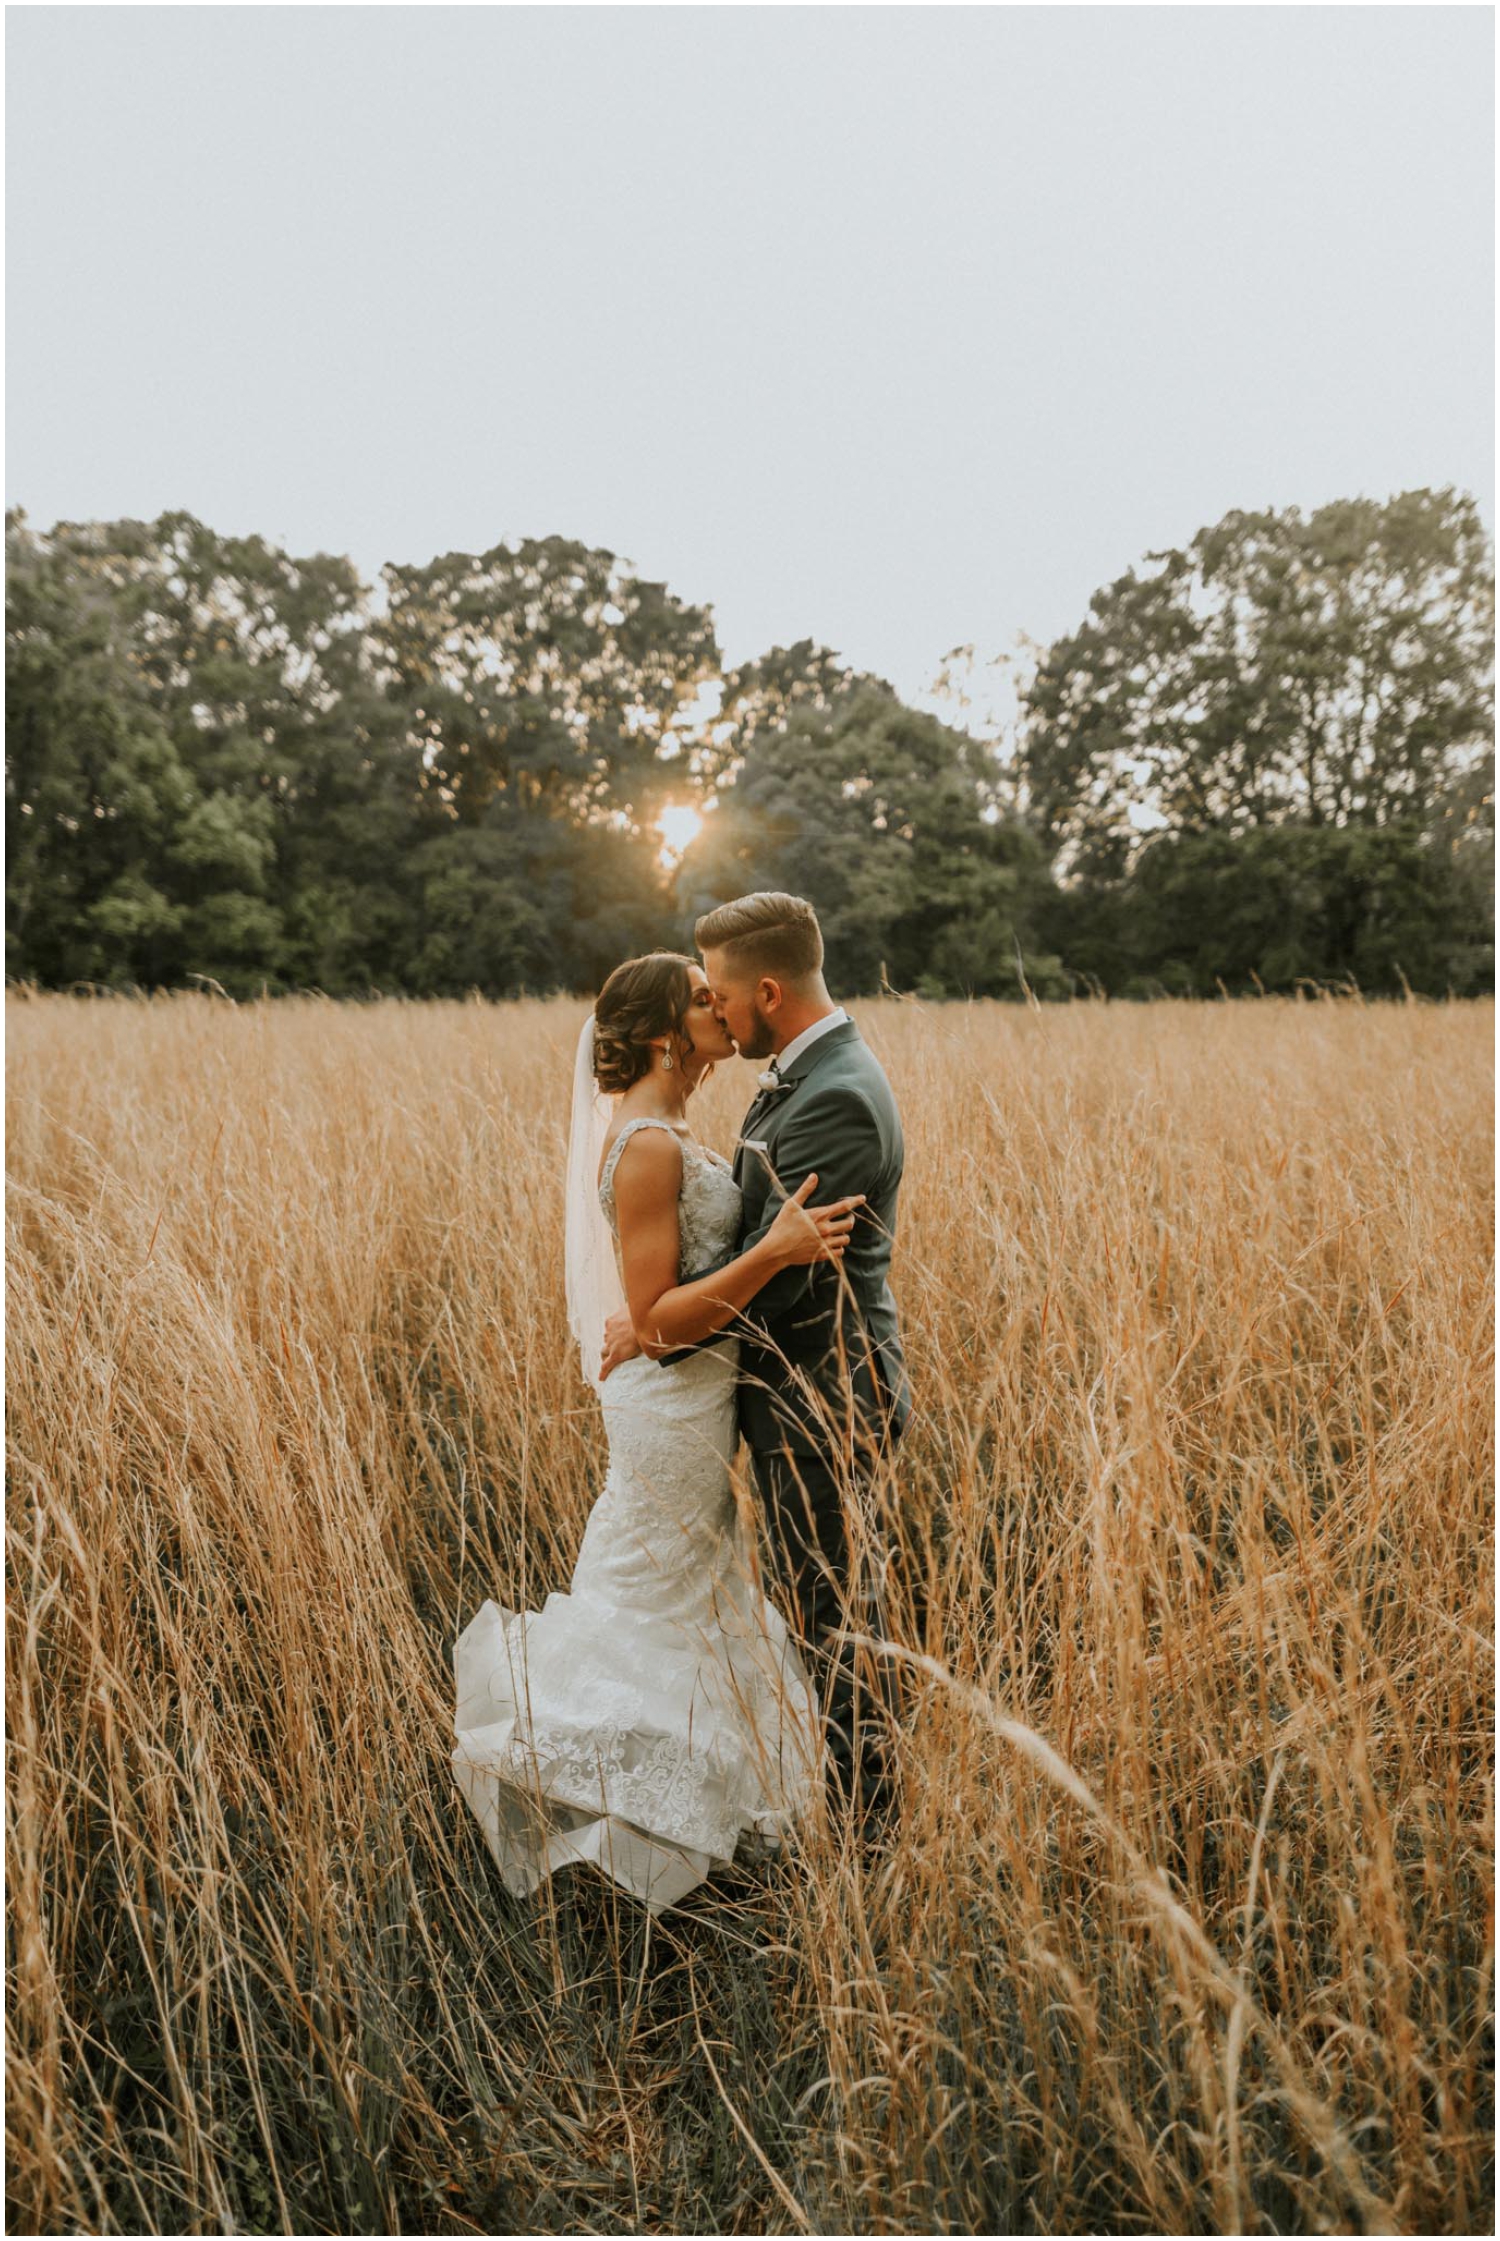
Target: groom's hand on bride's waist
620 1343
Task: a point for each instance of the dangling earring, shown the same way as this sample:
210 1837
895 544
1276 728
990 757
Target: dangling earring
667 1061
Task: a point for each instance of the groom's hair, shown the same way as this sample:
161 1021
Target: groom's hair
765 933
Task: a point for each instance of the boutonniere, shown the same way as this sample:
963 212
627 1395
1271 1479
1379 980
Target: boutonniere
770 1080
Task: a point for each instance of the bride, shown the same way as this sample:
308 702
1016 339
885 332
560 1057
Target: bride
657 1712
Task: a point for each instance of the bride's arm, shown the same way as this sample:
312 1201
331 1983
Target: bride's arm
666 1314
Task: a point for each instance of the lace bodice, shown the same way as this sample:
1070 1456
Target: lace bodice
708 1202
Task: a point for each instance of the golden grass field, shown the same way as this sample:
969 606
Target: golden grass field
1189 1924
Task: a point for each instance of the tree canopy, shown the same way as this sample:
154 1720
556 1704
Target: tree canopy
1262 760
1325 671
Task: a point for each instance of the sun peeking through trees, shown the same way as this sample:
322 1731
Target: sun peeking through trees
1262 760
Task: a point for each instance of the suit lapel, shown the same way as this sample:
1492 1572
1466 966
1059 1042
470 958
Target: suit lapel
752 1115
837 1038
768 1105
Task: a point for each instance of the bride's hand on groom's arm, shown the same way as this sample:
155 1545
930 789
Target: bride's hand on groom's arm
620 1342
798 1236
803 1236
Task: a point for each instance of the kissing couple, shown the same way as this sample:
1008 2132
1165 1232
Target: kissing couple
664 1713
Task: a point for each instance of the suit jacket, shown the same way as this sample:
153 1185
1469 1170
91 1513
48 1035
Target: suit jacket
833 1327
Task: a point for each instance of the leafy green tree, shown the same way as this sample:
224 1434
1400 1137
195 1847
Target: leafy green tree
1329 670
875 812
522 903
764 694
477 925
297 793
260 662
1462 837
221 761
95 791
1378 906
546 673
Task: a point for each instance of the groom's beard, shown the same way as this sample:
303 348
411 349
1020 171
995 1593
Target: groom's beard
763 1042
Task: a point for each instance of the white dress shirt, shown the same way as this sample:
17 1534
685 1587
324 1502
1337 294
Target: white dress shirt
809 1035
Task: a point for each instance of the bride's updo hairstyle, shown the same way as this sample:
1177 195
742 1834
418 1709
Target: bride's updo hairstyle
645 996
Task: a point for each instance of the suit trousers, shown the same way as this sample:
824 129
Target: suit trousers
804 1506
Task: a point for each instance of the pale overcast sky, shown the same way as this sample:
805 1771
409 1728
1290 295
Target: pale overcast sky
893 327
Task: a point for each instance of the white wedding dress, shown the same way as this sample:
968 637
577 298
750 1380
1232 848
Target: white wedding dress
658 1712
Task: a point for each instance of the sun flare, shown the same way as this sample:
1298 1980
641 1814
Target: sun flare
679 826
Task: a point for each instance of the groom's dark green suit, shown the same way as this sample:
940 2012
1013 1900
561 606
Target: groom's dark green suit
823 1387
823 1327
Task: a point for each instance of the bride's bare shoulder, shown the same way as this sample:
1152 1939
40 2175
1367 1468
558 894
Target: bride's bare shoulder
647 1175
648 1165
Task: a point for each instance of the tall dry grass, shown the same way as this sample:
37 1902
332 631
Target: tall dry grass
1188 1922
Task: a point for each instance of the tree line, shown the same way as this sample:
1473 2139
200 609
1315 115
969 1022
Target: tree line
1264 761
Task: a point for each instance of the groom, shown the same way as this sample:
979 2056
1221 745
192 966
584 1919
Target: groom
823 1389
